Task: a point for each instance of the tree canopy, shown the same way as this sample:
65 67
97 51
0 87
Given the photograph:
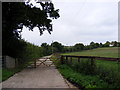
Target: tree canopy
15 15
79 46
18 14
57 47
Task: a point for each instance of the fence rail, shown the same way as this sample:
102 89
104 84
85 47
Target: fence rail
90 57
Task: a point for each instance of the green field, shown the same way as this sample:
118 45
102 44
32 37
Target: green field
102 74
102 52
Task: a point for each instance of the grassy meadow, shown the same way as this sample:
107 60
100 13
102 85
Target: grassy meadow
102 74
103 52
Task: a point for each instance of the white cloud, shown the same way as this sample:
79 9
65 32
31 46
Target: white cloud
81 22
85 0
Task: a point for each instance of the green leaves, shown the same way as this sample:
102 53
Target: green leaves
15 15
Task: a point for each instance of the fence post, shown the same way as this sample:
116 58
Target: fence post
78 59
92 61
71 60
93 65
118 60
61 59
66 60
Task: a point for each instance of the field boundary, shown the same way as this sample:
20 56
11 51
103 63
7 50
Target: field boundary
90 57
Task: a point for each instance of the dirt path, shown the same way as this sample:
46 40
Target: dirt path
40 77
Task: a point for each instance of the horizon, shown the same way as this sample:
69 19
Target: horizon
69 45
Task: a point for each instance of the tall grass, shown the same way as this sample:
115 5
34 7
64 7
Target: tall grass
106 70
82 81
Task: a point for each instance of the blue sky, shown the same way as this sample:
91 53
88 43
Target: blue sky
81 21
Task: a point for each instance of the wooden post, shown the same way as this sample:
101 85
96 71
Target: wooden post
35 63
118 60
92 61
66 60
92 65
71 60
62 60
78 59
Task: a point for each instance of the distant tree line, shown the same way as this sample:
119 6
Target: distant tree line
25 51
57 47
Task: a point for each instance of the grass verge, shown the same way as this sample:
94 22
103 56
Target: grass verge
104 74
83 81
6 73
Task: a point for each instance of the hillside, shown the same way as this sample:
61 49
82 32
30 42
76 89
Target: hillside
102 52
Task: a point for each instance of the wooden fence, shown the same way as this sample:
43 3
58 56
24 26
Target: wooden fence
65 57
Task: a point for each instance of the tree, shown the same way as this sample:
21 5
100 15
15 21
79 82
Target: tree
46 49
100 45
107 44
18 14
118 44
57 47
96 45
68 49
92 45
114 43
79 47
87 47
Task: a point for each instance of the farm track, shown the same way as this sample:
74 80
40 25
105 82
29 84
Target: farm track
39 77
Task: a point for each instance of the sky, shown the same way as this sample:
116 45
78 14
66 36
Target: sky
81 21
